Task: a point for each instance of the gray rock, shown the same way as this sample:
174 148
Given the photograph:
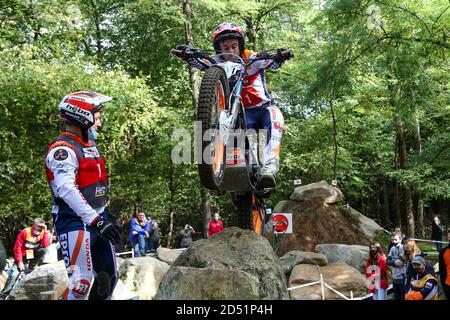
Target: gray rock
168 255
354 255
338 275
139 277
368 227
185 283
237 249
320 190
50 279
293 258
284 206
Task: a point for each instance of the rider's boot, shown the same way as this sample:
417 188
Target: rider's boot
268 173
267 179
271 154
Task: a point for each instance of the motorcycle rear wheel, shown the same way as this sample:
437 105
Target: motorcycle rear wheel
250 212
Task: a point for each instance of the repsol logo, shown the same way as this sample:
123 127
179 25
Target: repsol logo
64 243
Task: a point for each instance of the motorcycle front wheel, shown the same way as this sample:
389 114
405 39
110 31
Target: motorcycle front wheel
213 99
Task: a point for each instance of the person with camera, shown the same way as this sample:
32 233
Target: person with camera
397 264
186 236
29 251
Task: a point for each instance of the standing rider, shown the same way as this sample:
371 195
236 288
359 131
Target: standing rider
77 177
260 111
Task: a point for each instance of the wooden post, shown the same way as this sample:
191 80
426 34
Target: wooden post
321 285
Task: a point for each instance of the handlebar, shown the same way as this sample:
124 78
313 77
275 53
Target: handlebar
280 54
184 54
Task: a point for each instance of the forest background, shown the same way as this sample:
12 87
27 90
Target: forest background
365 101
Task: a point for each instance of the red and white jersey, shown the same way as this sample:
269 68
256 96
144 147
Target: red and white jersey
79 184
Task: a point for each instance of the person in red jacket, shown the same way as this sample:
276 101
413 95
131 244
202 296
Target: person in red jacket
444 267
215 225
376 271
29 251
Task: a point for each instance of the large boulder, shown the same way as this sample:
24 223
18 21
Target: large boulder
293 258
338 275
367 226
321 191
186 283
319 217
168 255
284 206
45 282
243 250
139 277
354 255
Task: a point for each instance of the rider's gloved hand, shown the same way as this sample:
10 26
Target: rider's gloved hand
183 48
263 55
283 54
106 229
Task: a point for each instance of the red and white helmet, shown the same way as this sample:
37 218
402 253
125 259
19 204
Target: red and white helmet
227 30
78 108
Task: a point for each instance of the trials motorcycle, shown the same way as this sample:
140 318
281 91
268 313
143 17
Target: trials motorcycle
231 162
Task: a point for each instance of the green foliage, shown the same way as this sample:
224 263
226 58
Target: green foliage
373 61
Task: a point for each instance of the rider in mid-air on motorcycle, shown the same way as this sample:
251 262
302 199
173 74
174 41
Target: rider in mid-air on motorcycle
260 110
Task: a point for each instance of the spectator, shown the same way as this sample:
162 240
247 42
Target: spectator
139 234
410 250
29 251
376 271
403 237
186 236
154 235
215 225
437 232
2 257
423 284
444 267
395 260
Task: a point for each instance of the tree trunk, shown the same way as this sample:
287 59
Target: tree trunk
418 195
407 197
398 211
171 209
250 32
336 146
195 85
98 31
206 211
386 218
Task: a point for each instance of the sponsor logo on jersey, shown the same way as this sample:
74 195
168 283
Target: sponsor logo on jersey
100 191
91 152
60 155
88 254
81 288
65 248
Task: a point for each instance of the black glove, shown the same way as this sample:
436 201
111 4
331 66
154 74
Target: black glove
283 54
106 229
180 51
264 55
182 47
